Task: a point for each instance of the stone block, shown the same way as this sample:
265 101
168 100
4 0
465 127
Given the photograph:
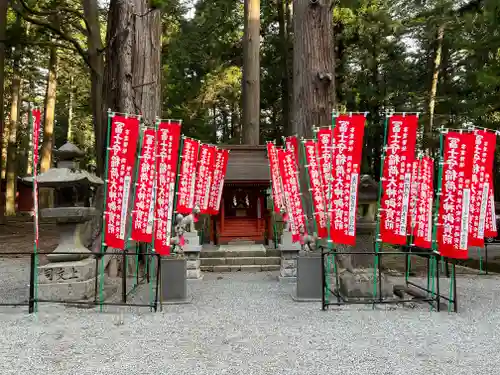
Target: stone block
288 263
173 279
359 284
193 274
192 264
309 278
64 272
288 272
68 291
270 267
287 243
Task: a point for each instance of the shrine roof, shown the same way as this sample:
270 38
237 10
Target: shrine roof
247 163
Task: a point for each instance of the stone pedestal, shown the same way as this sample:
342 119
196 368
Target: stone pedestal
358 284
192 242
173 281
70 226
193 271
286 242
309 278
288 265
68 281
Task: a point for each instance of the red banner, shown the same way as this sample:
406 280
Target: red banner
121 160
325 152
278 198
204 177
221 159
484 153
167 157
187 176
490 227
35 135
346 163
292 144
396 178
288 170
143 211
316 187
422 228
415 180
453 219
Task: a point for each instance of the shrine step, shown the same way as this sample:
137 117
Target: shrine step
241 268
239 253
241 261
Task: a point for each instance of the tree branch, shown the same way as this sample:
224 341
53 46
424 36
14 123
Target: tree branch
57 32
56 12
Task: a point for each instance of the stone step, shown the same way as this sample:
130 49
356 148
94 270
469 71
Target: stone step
242 268
239 253
240 261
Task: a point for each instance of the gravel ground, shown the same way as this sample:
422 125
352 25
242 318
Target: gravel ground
248 324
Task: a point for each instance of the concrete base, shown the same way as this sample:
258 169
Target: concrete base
185 301
309 280
68 291
173 279
287 280
288 264
298 299
193 265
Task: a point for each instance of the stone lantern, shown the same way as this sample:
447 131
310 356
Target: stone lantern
70 273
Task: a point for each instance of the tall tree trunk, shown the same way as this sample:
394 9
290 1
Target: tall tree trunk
3 23
48 125
251 73
69 134
132 73
96 60
285 68
313 73
428 125
11 173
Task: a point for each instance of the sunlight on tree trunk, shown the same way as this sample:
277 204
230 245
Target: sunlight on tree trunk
69 134
428 126
251 73
3 22
48 125
285 67
10 191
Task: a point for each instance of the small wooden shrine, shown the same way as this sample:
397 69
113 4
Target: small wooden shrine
243 213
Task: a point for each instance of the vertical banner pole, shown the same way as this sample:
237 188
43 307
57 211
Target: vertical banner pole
127 238
437 205
328 205
33 305
377 225
103 229
151 249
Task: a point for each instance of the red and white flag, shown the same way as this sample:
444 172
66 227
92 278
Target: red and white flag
415 180
143 210
121 161
35 135
453 218
187 176
167 158
482 169
325 153
206 164
277 188
396 178
221 158
316 187
490 227
346 163
289 176
422 227
292 144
